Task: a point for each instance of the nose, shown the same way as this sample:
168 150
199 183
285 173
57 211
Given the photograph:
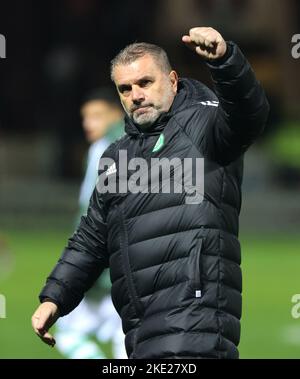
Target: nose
137 94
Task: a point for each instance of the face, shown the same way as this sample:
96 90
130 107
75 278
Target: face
97 117
145 90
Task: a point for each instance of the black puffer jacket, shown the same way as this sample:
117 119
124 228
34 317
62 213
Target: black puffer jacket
175 266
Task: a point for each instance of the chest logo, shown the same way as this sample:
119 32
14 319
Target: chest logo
111 170
159 143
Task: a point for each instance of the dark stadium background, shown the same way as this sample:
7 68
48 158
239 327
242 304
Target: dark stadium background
56 51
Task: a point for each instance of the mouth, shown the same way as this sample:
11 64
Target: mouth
141 110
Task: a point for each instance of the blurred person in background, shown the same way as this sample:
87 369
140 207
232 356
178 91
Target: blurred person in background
94 329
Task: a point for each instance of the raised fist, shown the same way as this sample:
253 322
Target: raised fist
206 42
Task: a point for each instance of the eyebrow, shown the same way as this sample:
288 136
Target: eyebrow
139 81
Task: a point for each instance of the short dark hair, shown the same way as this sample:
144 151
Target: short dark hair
105 93
137 50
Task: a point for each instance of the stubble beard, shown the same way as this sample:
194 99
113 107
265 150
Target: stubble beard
148 118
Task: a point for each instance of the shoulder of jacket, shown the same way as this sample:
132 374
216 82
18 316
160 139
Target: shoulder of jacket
202 108
113 148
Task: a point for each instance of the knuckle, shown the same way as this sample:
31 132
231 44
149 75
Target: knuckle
193 30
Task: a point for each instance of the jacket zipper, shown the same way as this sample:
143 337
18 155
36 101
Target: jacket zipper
126 264
141 143
197 272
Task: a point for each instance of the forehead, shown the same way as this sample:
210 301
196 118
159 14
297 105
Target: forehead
134 71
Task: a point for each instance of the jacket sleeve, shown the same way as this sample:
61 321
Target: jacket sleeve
243 108
81 262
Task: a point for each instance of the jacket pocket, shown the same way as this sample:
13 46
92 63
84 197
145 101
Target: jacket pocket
195 268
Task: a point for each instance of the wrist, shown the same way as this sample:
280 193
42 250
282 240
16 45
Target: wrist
224 58
48 300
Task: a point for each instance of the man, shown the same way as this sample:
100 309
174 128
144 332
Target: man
95 324
102 122
174 262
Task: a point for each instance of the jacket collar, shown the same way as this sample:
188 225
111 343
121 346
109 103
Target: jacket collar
189 92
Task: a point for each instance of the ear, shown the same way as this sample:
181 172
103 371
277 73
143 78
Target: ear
174 80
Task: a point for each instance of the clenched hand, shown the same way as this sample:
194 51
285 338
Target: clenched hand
206 42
